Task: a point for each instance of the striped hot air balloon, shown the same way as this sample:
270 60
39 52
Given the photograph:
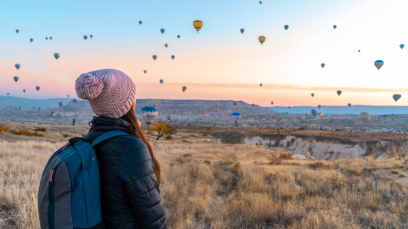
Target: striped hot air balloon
149 114
198 24
396 97
364 116
236 116
261 39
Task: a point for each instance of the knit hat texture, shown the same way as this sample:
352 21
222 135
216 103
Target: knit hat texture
109 92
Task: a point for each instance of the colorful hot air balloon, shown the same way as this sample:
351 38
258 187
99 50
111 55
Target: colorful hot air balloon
307 114
402 46
242 31
85 37
140 22
37 88
16 78
184 88
334 26
321 114
50 38
145 71
166 45
253 105
314 112
349 105
378 64
236 116
162 30
396 97
260 85
260 2
46 38
229 111
217 109
203 113
172 57
235 104
364 116
161 81
168 118
91 36
323 65
154 57
338 92
17 66
61 104
261 39
149 114
198 25
56 55
31 39
286 27
312 95
68 95
319 106
17 30
74 100
24 90
217 104
178 36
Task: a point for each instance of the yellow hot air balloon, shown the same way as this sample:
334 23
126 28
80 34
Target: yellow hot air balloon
165 45
198 24
262 39
364 116
68 95
272 102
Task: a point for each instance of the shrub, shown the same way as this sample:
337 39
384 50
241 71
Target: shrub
163 128
205 134
27 133
65 135
318 165
4 129
42 129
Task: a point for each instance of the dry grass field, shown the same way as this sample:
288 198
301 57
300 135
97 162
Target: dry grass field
207 184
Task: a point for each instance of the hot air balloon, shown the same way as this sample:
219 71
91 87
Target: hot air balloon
149 114
312 95
166 45
271 102
140 22
334 26
68 95
289 107
162 30
321 114
145 71
172 57
235 104
203 113
286 27
184 88
91 36
260 85
56 55
323 65
59 115
154 105
50 38
61 104
178 36
161 81
217 104
349 105
154 57
253 105
364 116
39 108
74 100
261 39
396 97
378 64
31 39
46 38
242 31
33 108
24 90
260 2
318 106
338 92
85 37
52 112
38 88
402 46
217 109
7 93
307 114
198 25
16 78
358 50
17 66
236 116
229 111
17 30
168 118
314 112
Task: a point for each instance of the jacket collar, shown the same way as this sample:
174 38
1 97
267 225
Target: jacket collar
102 123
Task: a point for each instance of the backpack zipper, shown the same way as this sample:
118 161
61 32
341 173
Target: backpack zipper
51 196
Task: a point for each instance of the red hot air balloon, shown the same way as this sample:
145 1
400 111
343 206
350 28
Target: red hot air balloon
260 2
203 112
50 38
31 39
17 30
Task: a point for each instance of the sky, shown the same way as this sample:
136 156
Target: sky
218 63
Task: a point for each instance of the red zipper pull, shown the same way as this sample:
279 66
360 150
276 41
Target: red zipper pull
51 173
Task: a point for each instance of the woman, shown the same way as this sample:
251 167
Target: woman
129 171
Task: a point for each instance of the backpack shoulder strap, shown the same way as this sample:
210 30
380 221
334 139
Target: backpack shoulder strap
108 135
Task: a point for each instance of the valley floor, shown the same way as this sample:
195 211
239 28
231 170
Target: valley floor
210 184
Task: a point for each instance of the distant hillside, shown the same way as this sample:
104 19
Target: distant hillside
356 109
28 104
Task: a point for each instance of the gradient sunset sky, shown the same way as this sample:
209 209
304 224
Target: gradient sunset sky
218 63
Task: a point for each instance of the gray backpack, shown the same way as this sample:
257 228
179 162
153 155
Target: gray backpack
69 193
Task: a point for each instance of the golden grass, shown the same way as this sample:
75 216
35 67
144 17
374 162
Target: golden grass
214 185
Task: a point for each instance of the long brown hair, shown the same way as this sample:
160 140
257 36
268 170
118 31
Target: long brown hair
134 128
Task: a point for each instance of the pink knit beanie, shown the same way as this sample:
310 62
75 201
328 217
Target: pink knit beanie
110 92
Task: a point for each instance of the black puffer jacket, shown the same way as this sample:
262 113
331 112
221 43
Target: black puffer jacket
128 180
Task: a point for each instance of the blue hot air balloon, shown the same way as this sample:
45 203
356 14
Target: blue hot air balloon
17 66
334 26
323 64
358 50
37 88
236 116
149 114
161 81
24 90
168 118
242 31
56 55
178 36
52 112
172 57
314 112
378 64
16 78
140 22
286 27
402 46
260 85
162 30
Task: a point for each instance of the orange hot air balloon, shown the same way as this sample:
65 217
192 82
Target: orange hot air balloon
198 24
229 111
